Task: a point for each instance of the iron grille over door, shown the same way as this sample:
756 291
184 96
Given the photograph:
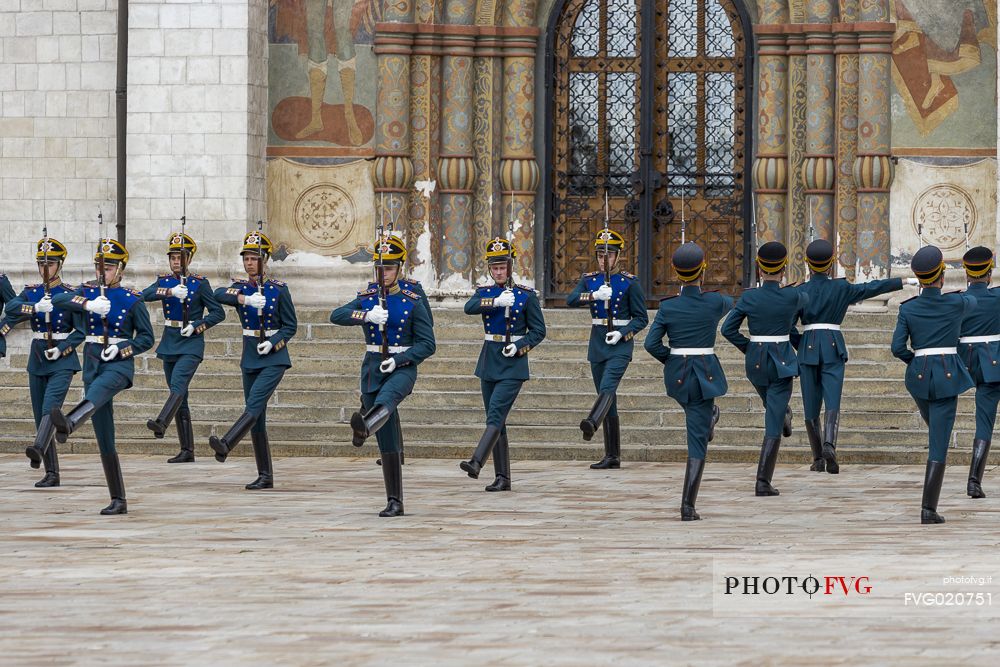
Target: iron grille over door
649 104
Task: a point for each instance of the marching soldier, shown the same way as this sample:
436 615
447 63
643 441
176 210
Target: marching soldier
771 364
979 348
185 299
6 294
268 316
117 328
618 313
822 352
691 372
399 335
935 375
513 321
52 359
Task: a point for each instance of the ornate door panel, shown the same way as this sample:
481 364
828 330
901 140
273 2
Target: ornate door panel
649 112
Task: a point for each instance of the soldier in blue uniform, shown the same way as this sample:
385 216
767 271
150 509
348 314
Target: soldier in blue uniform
822 351
610 350
404 323
52 359
6 294
262 303
117 328
503 367
979 348
182 346
692 373
771 364
935 375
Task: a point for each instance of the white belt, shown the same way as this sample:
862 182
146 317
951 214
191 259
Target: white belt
256 332
500 338
768 339
979 339
393 349
617 323
177 324
692 351
927 351
41 335
100 339
814 327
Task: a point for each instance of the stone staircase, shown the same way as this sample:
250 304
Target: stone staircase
309 413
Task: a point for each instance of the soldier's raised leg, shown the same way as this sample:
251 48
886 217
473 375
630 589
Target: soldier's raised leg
498 397
607 377
776 396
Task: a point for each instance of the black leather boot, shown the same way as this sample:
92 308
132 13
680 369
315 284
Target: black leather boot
392 475
51 477
66 424
43 440
159 425
815 445
185 434
692 482
367 424
980 450
262 454
786 428
399 439
716 414
830 430
116 485
765 466
222 446
933 478
486 444
612 445
597 414
501 464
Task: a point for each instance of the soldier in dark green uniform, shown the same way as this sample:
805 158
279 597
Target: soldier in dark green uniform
268 316
935 375
979 348
510 312
822 351
610 349
186 297
404 323
52 359
771 365
117 328
691 372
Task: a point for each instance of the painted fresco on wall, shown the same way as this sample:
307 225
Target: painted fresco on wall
944 69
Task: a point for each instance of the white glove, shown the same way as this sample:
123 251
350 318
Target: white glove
179 292
255 300
387 366
509 350
612 337
264 349
504 300
109 353
53 353
187 331
377 315
101 305
602 293
911 281
44 305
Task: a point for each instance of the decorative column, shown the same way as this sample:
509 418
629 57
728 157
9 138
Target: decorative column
798 216
486 138
873 169
818 169
424 234
846 193
518 168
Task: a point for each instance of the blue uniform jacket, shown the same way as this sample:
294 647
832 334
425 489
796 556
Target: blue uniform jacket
689 319
526 321
828 303
128 320
200 298
415 287
770 310
982 359
628 309
279 318
932 319
22 308
409 325
6 294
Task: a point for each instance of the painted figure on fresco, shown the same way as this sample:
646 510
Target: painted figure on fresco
322 28
932 44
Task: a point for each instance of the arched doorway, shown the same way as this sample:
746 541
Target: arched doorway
650 110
